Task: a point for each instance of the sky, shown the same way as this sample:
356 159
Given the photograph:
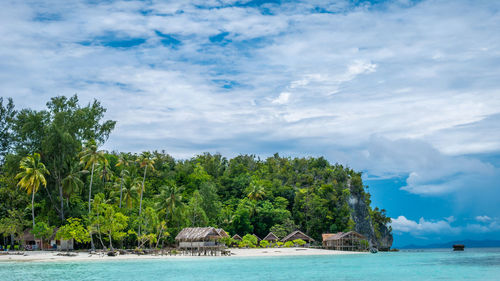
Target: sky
406 91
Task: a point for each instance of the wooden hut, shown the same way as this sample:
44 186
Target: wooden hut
271 237
222 233
29 242
344 241
197 237
297 234
258 238
236 237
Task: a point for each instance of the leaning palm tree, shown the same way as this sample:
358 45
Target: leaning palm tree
145 161
31 177
90 156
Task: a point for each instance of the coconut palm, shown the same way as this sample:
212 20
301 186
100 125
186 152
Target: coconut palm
73 183
169 199
255 191
130 188
145 161
124 161
90 157
31 177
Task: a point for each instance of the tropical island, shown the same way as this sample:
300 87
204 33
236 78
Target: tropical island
60 190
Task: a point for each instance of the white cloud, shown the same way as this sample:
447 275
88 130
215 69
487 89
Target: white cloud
410 89
402 224
282 99
483 218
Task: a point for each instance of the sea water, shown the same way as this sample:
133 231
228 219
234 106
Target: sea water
472 264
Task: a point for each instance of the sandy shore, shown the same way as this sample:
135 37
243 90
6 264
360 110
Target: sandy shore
48 256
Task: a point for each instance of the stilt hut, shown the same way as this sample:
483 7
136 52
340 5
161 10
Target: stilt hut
236 237
344 241
194 237
271 237
297 235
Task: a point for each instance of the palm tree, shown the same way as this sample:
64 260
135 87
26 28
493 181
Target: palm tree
145 161
73 183
123 161
255 191
90 156
170 199
31 177
130 188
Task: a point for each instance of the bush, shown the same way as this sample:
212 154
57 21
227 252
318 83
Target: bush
264 243
364 245
289 244
249 240
299 242
279 244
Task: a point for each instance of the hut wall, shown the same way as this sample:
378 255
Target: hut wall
197 244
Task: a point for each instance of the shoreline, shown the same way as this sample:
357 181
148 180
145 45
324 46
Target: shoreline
51 256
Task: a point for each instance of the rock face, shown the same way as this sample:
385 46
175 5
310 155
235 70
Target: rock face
361 216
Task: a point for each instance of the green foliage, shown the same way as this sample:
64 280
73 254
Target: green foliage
43 231
264 243
289 244
73 229
119 193
299 242
364 244
248 240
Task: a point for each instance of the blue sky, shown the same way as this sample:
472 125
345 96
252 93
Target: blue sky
406 91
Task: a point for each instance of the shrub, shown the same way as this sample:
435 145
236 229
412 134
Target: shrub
264 243
279 244
364 245
299 242
249 240
289 244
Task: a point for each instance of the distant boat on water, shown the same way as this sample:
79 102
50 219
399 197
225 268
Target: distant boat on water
458 247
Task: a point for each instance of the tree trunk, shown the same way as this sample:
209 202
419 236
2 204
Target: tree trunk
121 188
90 188
110 242
142 191
33 207
61 197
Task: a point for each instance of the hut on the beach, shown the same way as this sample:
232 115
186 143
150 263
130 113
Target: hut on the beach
197 237
30 242
258 238
344 241
222 233
236 237
271 237
297 234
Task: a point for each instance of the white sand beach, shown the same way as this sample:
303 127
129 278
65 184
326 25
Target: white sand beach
51 256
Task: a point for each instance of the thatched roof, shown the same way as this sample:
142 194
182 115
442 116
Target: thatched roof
297 235
197 234
222 233
340 235
237 237
271 237
258 238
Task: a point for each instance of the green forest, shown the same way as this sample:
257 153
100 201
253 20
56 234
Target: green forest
55 173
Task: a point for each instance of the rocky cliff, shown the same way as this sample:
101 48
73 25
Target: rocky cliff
379 235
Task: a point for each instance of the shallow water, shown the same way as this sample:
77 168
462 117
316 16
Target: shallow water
472 264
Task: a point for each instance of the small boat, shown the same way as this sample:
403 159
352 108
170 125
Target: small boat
458 247
373 250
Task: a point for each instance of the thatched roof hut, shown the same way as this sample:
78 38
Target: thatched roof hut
297 235
222 233
258 238
237 237
271 237
193 234
343 241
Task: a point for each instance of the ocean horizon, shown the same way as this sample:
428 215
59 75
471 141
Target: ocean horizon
418 264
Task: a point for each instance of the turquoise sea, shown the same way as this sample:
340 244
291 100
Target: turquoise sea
472 264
